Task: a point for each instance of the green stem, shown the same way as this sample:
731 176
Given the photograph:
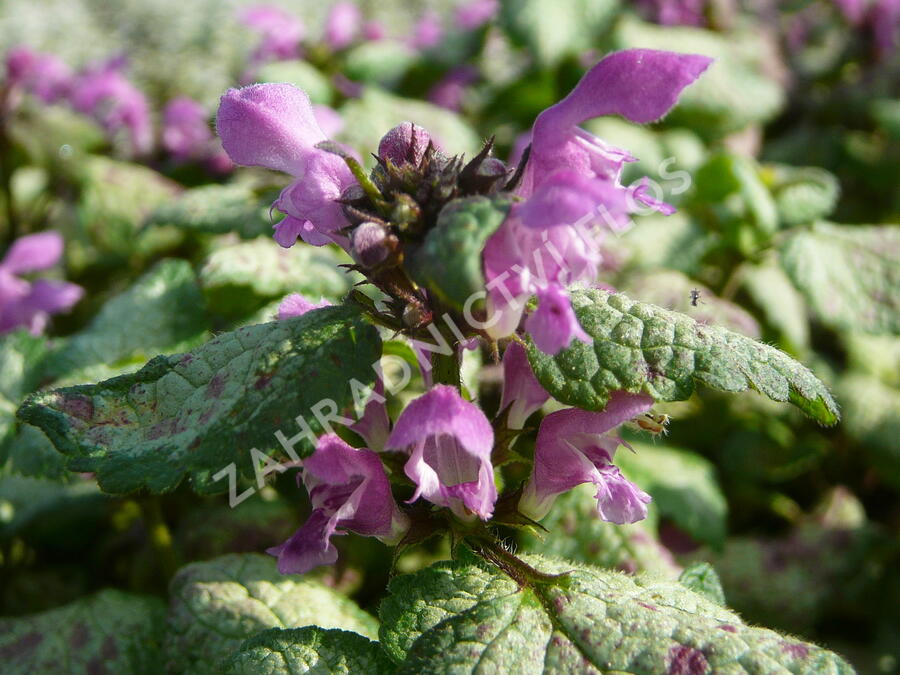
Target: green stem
159 536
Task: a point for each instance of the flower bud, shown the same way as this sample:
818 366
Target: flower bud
372 244
406 143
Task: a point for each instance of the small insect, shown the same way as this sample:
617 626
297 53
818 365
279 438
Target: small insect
653 423
695 297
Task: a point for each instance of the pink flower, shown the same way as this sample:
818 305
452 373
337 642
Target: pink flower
406 143
573 447
449 442
522 393
348 490
428 31
450 91
280 33
116 104
43 75
30 304
476 13
186 132
343 25
574 195
274 125
297 305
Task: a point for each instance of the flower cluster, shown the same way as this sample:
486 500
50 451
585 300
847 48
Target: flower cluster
29 304
564 195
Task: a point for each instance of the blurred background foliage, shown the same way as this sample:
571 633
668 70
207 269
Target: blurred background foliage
784 163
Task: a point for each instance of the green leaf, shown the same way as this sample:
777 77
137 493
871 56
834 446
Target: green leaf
194 414
30 453
218 604
21 360
639 347
301 74
674 242
702 578
466 617
368 118
872 418
236 277
163 311
27 504
781 303
575 532
116 197
732 183
802 194
382 62
216 209
107 632
449 260
552 31
848 274
309 650
735 90
683 486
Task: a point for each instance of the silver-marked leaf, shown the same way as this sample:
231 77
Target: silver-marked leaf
802 194
466 618
110 632
195 414
683 486
216 209
218 604
848 274
162 311
575 532
309 650
781 303
236 278
449 259
640 347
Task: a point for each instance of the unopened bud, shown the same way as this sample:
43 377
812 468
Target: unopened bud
406 143
372 244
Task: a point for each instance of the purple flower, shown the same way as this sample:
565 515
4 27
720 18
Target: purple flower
30 304
574 195
573 447
884 17
522 393
297 305
280 33
373 31
43 75
476 13
449 441
428 31
343 25
274 125
374 425
348 490
186 132
450 91
329 119
116 104
642 85
675 12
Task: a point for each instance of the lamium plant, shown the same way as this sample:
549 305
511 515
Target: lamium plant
450 257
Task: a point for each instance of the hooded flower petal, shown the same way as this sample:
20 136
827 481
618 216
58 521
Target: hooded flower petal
280 32
642 85
33 252
105 94
270 125
554 324
428 31
348 490
450 442
522 393
573 447
297 305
